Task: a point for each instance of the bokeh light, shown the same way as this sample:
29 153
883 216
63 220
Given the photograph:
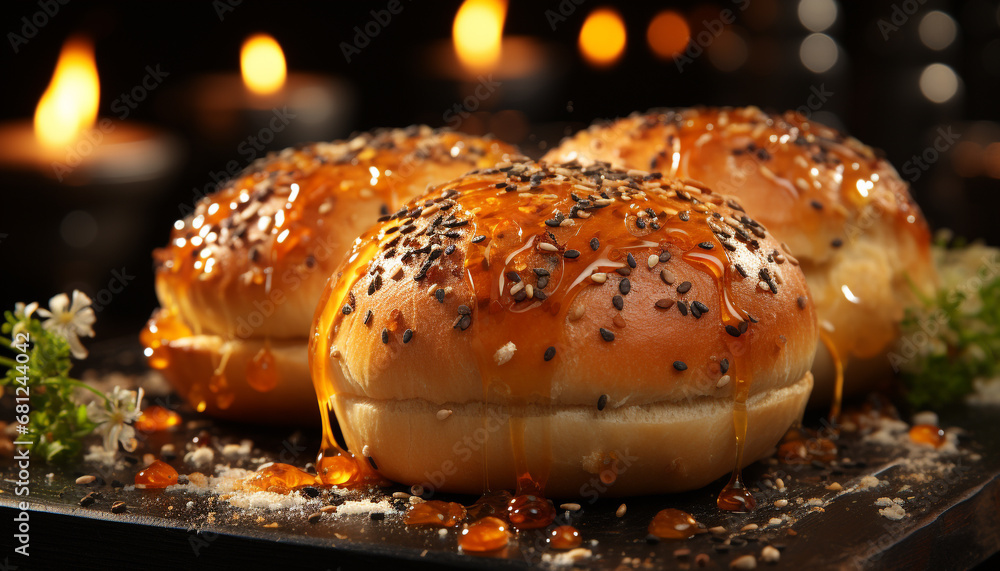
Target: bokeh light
937 30
602 38
729 51
668 34
817 15
938 82
818 52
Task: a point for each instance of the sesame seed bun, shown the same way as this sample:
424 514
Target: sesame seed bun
842 209
557 319
245 269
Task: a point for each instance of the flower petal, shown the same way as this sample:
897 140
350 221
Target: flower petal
59 303
80 301
77 348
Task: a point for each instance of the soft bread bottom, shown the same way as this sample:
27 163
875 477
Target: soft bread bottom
661 448
192 361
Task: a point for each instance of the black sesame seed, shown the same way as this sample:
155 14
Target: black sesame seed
543 282
664 256
376 516
631 261
572 254
552 222
695 311
640 223
624 271
837 242
449 250
385 336
310 491
702 308
602 402
618 302
550 353
685 216
607 335
682 307
439 294
706 245
368 317
463 322
816 204
464 310
664 303
407 335
478 239
740 269
801 301
540 272
512 276
347 310
625 286
743 327
684 287
724 366
732 330
500 184
540 295
680 365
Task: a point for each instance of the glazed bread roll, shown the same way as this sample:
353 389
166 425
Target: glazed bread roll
564 325
841 208
239 280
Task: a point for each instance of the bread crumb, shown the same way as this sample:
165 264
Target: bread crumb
571 557
505 353
770 554
200 458
895 512
780 503
869 482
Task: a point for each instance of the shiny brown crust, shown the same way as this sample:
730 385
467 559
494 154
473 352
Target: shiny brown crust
251 261
842 208
483 292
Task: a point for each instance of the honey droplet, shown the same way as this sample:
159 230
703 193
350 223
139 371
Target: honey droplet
927 434
565 537
435 513
196 396
156 418
735 497
225 400
487 534
491 503
262 375
530 511
278 477
159 474
335 468
218 383
674 524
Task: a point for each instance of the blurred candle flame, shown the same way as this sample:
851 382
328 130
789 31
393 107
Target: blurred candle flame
478 33
263 64
69 104
602 38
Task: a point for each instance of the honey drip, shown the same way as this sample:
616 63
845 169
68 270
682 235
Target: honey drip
262 375
928 434
159 474
435 513
838 385
735 497
484 536
674 524
219 386
279 478
565 537
530 511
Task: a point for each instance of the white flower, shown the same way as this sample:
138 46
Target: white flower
114 418
22 313
70 322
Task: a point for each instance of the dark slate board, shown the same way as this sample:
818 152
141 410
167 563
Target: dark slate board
954 522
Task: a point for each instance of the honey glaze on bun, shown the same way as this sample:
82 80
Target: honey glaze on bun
842 208
239 279
554 327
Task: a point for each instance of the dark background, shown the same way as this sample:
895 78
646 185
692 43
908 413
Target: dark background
874 85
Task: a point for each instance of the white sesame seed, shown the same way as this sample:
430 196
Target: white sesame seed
802 184
780 503
770 554
599 277
775 521
763 285
443 413
780 483
570 506
400 495
749 527
652 260
620 512
566 222
743 562
516 288
84 480
548 247
723 381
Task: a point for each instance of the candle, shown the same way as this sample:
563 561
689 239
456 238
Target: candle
266 102
68 142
